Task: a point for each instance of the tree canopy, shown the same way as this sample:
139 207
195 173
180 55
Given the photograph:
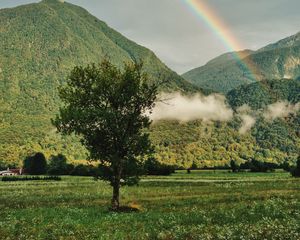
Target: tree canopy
108 108
35 164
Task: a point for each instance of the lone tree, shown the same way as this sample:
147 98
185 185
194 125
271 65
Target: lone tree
107 107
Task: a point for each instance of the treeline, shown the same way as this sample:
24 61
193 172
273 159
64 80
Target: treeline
256 166
56 165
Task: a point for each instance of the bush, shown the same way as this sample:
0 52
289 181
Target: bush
153 167
296 171
36 178
234 166
36 164
70 168
286 166
257 166
84 170
58 165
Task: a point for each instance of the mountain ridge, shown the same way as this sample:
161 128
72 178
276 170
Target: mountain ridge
274 61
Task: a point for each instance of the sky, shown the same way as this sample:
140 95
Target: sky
181 39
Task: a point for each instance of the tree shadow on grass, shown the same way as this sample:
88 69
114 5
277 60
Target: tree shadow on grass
131 208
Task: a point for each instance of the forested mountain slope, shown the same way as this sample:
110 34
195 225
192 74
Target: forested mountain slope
40 44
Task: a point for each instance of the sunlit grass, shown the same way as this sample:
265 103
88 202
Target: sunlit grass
181 206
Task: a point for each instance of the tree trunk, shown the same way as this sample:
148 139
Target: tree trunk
115 203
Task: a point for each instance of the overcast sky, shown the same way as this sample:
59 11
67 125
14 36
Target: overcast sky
181 39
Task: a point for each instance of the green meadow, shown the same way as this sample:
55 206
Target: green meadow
200 205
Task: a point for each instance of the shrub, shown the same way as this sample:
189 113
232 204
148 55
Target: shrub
296 171
153 167
58 165
286 166
257 166
35 178
234 166
84 170
70 168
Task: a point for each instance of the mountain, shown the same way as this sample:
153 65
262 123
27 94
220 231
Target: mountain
40 44
275 61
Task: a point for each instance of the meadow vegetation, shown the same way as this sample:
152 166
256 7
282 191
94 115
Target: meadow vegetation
201 205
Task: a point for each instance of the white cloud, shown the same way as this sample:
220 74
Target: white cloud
247 123
280 109
184 108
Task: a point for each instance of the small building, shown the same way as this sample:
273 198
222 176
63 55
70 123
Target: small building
11 172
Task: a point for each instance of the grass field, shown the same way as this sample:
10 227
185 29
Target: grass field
201 205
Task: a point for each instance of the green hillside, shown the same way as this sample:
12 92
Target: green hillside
275 61
215 144
40 44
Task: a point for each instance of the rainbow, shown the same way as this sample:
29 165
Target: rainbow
203 12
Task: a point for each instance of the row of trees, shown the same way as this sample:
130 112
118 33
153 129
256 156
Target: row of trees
257 166
254 166
56 165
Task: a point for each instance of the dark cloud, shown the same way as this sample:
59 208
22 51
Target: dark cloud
180 39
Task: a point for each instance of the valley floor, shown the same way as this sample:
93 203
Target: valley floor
200 205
